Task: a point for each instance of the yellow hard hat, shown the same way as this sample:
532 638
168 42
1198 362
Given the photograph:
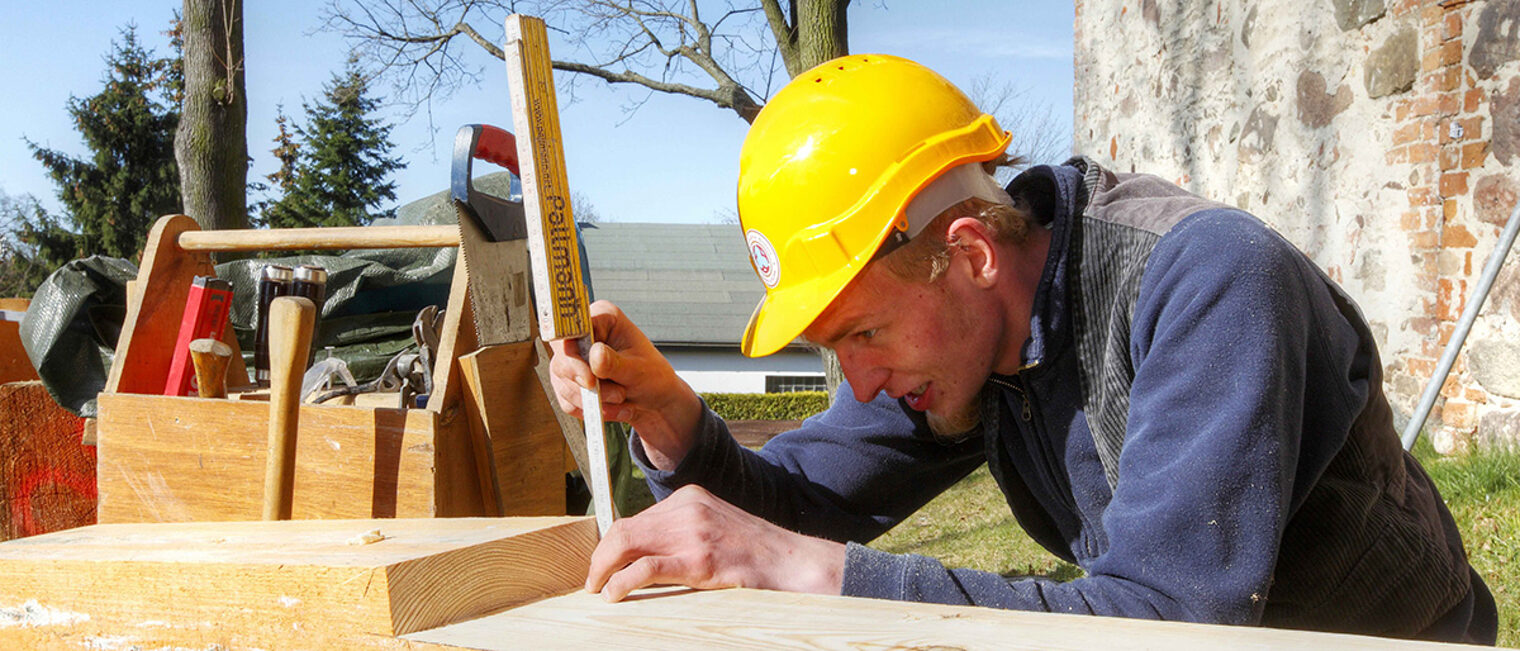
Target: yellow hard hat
827 170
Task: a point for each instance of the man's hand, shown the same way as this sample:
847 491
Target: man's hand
695 539
638 385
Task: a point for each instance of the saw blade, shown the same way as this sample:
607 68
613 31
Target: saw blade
499 277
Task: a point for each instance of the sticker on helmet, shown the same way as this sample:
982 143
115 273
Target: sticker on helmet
763 256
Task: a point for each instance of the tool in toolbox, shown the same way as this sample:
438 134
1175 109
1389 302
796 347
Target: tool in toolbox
274 282
290 325
205 316
559 277
493 245
408 373
210 357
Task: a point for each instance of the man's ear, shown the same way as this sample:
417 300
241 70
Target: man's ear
973 239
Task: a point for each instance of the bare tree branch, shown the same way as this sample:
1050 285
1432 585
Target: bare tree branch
663 45
784 32
1037 138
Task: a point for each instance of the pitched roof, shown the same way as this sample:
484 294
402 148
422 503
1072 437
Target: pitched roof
681 283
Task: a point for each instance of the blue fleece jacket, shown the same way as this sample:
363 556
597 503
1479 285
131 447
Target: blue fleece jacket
1246 381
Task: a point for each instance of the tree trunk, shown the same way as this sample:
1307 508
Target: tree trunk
211 145
822 32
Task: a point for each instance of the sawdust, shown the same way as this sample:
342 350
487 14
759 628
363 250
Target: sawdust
371 536
32 613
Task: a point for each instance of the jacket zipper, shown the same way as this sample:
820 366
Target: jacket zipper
1042 443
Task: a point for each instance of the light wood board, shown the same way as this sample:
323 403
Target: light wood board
677 618
517 429
177 459
290 584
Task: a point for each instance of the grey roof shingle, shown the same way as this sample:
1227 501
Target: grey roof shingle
681 283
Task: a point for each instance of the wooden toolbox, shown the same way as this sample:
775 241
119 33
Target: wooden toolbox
489 442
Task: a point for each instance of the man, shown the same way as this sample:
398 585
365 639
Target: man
1168 393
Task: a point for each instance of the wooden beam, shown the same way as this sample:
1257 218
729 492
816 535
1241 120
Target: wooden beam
15 366
47 476
760 619
290 584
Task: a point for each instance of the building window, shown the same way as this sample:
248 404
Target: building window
789 383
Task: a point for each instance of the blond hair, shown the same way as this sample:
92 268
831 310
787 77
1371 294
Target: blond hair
927 255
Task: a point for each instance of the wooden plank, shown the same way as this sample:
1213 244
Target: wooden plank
155 302
176 459
456 338
47 476
289 584
459 493
677 618
15 366
519 429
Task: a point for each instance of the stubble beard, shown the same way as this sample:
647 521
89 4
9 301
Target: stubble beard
958 425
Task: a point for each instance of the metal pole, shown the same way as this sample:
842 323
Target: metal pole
1464 324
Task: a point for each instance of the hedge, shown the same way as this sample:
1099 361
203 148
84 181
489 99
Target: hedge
795 405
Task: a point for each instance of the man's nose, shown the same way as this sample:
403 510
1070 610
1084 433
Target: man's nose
866 379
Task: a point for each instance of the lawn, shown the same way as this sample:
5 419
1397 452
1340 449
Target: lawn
970 526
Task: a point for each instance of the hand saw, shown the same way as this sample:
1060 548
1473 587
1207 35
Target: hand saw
493 247
558 275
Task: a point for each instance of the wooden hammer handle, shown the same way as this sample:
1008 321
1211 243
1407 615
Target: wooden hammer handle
210 358
291 319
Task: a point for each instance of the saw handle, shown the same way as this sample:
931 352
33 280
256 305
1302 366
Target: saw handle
495 145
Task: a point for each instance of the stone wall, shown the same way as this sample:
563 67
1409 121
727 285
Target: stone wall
1380 136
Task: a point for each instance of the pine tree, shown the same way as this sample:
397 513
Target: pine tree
112 197
338 173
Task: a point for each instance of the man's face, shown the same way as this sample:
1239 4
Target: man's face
932 344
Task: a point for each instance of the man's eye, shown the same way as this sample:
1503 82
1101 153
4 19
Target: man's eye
867 335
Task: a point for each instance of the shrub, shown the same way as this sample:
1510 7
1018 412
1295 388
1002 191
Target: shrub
795 405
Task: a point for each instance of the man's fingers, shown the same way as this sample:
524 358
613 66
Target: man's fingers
610 364
567 364
569 396
616 549
647 571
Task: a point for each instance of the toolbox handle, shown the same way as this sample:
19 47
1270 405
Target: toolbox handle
338 237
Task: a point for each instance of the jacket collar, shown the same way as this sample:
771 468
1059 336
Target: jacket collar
1056 194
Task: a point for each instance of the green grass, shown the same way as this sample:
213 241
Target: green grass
970 526
1483 493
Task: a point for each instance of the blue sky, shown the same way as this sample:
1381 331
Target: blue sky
675 159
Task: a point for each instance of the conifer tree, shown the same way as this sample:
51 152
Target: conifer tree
338 173
129 179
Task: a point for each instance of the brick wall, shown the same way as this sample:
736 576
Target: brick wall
1380 136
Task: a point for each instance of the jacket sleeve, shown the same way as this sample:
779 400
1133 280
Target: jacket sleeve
1234 337
848 474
